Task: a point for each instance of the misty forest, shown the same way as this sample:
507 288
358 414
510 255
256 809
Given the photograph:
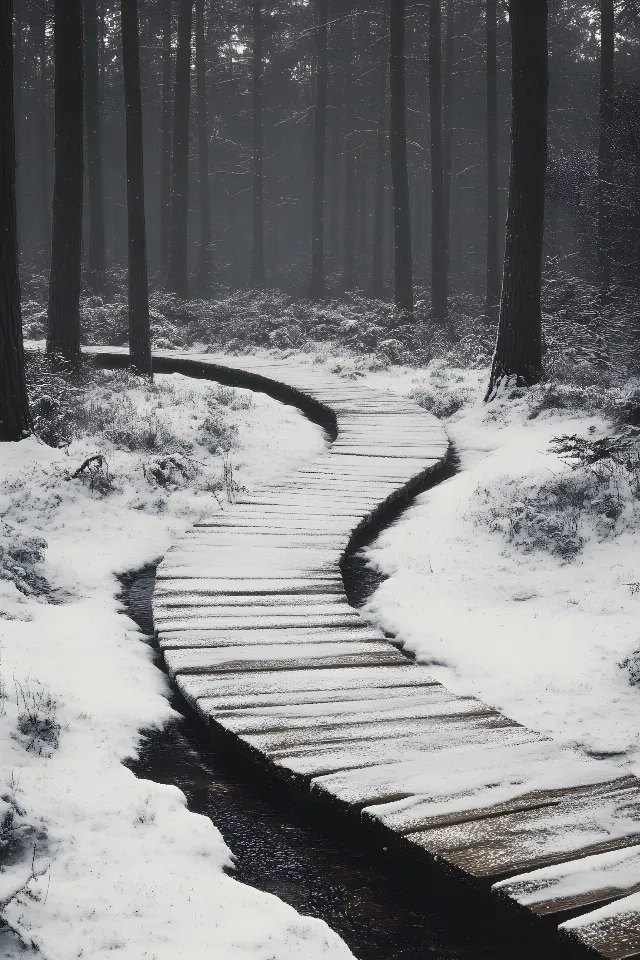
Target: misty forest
320 479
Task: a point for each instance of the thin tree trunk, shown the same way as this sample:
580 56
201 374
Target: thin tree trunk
178 272
257 252
377 275
492 309
17 114
447 118
15 419
334 220
350 209
43 139
97 254
399 172
316 287
204 257
362 204
439 309
63 335
165 141
139 335
605 155
518 353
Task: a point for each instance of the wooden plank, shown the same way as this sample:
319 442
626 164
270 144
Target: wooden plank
281 657
505 845
191 639
612 932
578 884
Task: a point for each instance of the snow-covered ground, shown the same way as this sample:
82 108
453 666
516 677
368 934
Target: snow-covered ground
120 864
518 579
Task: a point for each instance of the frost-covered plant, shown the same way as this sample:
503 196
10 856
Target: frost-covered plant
20 559
38 724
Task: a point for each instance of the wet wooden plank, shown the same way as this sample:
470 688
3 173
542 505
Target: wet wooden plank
612 932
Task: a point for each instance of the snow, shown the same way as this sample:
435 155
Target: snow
123 865
539 637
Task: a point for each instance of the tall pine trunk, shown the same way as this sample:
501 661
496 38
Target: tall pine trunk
316 287
15 420
605 154
377 274
257 250
43 139
97 253
447 119
518 353
18 63
439 309
139 336
63 336
399 172
492 309
165 141
178 272
350 205
363 214
204 256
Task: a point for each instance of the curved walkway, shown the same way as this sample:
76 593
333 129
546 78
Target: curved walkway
257 634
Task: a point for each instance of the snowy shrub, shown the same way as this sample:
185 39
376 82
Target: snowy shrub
440 403
20 558
597 494
38 724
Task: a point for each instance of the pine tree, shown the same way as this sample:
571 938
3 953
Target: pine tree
178 271
399 172
316 287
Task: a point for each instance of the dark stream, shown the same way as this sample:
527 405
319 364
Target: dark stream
382 911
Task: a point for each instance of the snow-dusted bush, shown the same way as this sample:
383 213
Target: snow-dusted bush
21 557
38 725
596 494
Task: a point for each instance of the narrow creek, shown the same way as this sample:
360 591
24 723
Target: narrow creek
382 911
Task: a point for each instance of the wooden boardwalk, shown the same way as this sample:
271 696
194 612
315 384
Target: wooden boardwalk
257 634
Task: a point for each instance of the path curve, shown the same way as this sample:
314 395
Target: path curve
257 634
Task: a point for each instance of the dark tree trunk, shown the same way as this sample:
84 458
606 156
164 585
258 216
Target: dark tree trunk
204 256
398 144
518 354
178 272
165 143
15 420
334 215
97 255
139 336
43 139
605 153
350 206
362 203
66 241
438 224
316 287
447 119
17 114
377 275
257 253
493 252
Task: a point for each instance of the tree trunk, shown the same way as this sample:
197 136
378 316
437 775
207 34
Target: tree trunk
165 141
362 203
97 257
204 257
492 309
447 119
605 154
15 420
350 207
178 273
518 353
43 139
399 172
377 275
139 336
66 241
17 26
439 310
257 254
316 287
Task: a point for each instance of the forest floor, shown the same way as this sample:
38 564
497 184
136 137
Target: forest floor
93 860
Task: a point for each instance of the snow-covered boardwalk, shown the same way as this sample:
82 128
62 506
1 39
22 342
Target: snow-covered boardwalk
257 634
